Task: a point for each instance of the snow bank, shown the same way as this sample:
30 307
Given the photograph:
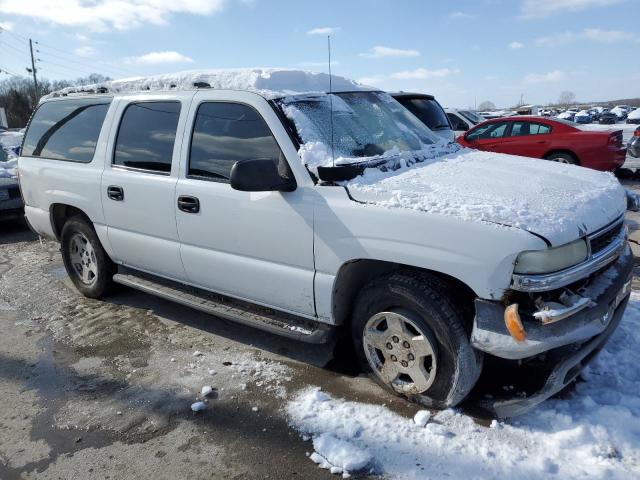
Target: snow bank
595 433
269 82
548 198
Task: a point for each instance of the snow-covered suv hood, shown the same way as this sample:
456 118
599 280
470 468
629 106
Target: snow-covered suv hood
557 201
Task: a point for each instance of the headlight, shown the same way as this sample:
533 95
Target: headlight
552 259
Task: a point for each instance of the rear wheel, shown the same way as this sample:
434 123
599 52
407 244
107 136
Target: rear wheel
410 337
88 265
563 158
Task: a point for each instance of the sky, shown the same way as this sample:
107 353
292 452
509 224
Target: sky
463 52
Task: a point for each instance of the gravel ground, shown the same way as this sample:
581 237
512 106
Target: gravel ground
103 389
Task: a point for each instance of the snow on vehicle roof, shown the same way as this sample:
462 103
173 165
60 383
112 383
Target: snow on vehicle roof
635 114
268 82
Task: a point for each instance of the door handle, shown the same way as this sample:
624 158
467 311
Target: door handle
188 204
114 192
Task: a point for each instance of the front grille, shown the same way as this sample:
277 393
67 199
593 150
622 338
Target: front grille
604 239
14 192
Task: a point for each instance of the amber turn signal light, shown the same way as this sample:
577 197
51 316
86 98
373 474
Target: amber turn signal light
514 324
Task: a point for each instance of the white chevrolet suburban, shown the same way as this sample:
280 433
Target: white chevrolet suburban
258 197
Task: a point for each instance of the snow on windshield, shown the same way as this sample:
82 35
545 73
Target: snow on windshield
355 127
269 82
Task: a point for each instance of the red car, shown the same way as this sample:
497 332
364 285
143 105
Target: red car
551 139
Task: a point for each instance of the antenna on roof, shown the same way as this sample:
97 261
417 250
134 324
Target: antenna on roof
333 156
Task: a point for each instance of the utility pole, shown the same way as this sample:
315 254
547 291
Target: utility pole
33 70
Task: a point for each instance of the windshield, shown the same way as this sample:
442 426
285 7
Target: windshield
428 111
365 124
471 116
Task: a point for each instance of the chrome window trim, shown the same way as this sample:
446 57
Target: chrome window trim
552 281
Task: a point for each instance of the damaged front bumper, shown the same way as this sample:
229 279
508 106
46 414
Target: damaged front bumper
569 343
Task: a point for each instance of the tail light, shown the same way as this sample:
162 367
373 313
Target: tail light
637 132
615 139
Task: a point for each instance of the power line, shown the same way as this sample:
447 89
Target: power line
67 68
63 55
93 67
8 72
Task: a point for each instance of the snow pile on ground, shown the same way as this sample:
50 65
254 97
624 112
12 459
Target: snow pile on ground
548 198
595 433
269 82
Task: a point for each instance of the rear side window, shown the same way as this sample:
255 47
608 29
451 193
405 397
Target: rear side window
520 129
225 133
457 123
428 111
66 129
146 136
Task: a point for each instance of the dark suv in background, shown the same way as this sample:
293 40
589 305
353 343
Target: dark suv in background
429 111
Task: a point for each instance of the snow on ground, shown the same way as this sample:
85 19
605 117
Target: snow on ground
269 82
592 434
545 197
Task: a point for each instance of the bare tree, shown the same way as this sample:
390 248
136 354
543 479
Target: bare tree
486 105
566 98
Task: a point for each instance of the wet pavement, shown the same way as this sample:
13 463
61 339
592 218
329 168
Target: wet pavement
102 389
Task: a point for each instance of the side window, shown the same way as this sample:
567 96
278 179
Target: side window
146 136
457 123
527 128
225 133
488 131
66 129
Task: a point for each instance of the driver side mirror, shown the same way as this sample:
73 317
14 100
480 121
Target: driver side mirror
260 175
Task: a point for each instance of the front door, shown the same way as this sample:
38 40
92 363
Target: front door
256 246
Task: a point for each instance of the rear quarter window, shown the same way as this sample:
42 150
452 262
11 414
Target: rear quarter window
66 129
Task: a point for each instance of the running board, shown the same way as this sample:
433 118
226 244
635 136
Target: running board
245 313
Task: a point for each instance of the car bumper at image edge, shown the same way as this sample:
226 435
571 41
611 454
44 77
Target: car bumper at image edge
569 344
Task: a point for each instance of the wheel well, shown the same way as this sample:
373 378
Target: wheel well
60 213
566 152
354 275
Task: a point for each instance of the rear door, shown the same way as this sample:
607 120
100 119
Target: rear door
526 138
256 246
138 185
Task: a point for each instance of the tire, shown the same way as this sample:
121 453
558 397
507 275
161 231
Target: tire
88 265
431 321
563 158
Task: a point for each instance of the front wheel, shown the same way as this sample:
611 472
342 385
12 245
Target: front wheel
88 265
409 336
